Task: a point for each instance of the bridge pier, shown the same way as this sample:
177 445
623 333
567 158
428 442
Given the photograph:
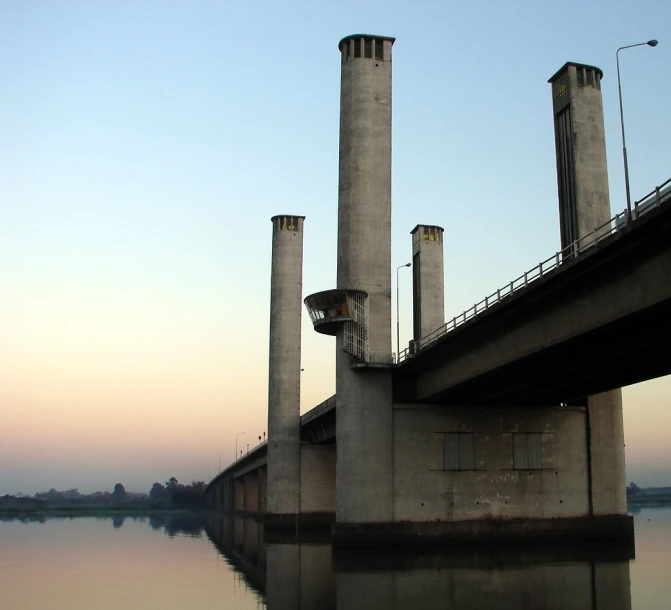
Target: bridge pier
607 473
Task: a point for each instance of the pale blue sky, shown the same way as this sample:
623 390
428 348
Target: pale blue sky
144 147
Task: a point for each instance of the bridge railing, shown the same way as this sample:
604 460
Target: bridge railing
619 222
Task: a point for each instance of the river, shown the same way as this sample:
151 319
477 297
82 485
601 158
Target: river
182 562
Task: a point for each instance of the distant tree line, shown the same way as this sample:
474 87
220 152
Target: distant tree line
171 495
175 494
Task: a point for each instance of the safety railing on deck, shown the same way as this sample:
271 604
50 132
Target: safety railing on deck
619 222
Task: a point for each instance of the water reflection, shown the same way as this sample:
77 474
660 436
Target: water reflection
180 524
306 574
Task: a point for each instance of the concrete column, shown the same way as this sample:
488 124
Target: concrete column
364 452
608 494
580 142
284 366
584 205
428 283
612 586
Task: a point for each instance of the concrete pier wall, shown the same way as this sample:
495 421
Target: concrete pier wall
489 463
251 493
318 466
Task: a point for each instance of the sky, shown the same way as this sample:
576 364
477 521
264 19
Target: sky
145 145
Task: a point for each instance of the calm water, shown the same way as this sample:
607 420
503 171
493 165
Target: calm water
105 563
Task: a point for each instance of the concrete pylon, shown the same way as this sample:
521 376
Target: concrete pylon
364 450
286 290
584 205
428 283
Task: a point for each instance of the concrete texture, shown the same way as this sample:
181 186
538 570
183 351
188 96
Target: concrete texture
318 466
424 491
364 454
606 451
364 468
428 280
251 493
286 292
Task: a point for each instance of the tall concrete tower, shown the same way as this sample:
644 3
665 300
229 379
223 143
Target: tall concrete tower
286 287
580 142
428 283
364 424
358 311
584 205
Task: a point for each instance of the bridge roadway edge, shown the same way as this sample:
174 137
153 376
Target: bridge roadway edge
534 375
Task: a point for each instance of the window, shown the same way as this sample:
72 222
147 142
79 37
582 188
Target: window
527 453
458 451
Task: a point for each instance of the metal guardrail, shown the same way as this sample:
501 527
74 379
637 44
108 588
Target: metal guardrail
619 222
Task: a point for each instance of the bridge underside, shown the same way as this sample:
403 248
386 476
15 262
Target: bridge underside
618 354
598 323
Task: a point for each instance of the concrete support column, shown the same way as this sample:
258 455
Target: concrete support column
584 205
606 451
428 283
612 586
286 290
364 451
364 465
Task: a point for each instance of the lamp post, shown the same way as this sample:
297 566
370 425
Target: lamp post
236 445
650 43
398 322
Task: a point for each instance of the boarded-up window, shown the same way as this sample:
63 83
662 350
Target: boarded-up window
527 453
458 451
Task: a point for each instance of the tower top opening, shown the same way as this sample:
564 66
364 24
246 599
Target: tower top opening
365 46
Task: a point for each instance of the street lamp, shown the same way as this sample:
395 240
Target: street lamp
650 43
236 445
398 323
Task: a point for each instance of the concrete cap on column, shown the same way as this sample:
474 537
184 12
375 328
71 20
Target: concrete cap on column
566 66
426 227
370 36
287 222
